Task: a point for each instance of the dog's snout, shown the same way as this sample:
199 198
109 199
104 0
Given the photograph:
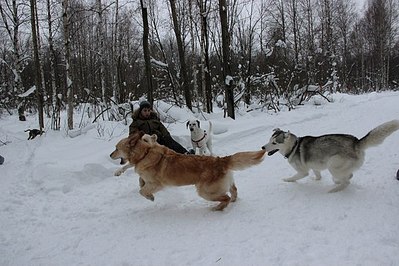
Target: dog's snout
263 148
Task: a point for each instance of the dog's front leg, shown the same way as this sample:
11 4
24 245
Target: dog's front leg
122 169
296 177
147 195
141 182
317 174
149 189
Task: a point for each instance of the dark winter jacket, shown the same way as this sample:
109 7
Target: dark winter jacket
154 126
150 126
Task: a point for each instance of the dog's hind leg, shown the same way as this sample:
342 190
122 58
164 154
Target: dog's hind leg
233 192
339 187
296 177
341 170
220 196
342 182
224 201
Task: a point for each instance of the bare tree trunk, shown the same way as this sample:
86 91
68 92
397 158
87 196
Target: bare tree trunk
228 79
116 55
295 29
38 80
183 69
205 65
17 62
55 116
101 48
193 52
146 49
67 58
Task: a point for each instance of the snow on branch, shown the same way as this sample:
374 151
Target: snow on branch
28 92
158 63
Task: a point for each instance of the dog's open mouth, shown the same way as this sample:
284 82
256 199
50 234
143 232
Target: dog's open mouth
270 153
123 161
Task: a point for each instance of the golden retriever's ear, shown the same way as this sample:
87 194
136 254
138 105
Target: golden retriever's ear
198 123
133 138
134 131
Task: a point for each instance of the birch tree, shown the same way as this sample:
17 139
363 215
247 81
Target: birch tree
204 8
55 114
67 60
14 16
101 48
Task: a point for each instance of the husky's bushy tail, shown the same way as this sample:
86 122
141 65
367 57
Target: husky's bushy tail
377 135
243 160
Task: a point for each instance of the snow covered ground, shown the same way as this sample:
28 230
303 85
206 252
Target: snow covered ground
61 205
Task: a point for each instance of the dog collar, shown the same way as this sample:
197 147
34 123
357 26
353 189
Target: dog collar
197 141
293 148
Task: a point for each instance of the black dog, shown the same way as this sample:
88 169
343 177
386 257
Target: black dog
33 133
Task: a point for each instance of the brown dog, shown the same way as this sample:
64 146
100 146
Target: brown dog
159 167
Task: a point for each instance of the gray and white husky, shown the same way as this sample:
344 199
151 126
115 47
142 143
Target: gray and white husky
341 154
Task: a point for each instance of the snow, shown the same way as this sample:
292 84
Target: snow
281 43
228 80
159 63
28 92
60 203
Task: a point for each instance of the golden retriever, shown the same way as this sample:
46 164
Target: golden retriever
159 166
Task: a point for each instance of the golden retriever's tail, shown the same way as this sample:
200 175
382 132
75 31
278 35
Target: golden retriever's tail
243 160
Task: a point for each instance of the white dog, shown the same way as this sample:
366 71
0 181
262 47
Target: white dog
200 139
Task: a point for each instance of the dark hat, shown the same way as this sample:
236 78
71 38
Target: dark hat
145 104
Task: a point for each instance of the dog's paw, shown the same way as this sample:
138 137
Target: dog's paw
150 197
147 196
290 179
119 172
219 207
339 187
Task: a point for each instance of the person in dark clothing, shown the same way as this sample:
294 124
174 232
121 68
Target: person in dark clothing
147 120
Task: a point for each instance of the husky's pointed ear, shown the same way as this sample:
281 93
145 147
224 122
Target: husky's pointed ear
198 123
188 122
276 129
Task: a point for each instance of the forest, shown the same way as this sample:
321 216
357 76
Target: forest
57 55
